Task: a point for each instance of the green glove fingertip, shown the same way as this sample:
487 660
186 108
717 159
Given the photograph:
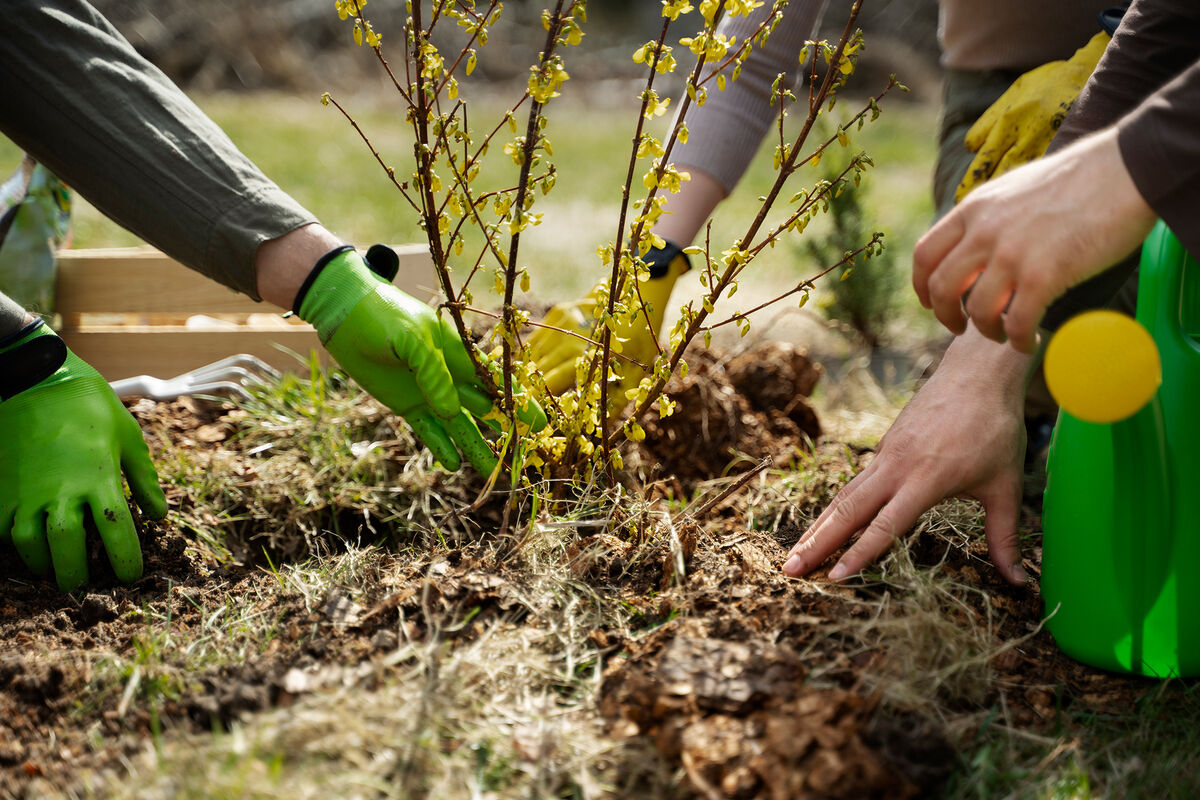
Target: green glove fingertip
28 537
142 477
6 522
119 534
428 429
475 401
65 538
466 435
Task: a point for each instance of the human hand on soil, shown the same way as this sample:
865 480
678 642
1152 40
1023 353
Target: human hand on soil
961 435
1018 127
556 352
1020 241
405 355
65 439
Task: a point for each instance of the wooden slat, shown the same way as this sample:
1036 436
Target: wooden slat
101 285
165 351
142 280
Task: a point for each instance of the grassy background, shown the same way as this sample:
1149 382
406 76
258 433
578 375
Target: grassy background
313 153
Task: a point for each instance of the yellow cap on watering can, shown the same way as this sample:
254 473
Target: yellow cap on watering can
1102 366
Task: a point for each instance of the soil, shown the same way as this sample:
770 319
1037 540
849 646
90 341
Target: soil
743 680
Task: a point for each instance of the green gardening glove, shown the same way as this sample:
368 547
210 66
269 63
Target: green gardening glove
65 439
400 351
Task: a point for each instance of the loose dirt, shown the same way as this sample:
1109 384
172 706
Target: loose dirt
741 682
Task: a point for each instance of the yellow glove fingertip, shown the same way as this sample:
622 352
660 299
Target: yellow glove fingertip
561 378
977 134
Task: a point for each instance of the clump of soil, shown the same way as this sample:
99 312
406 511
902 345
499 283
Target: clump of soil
732 414
739 718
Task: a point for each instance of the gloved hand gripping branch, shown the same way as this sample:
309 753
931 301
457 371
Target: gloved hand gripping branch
65 440
400 351
556 353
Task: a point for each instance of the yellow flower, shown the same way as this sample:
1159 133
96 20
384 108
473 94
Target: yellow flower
673 8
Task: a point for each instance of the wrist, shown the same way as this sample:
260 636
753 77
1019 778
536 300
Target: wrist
988 360
668 260
684 213
336 284
13 317
282 264
29 326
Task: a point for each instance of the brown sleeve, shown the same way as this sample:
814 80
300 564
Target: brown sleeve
1148 85
1160 144
1157 42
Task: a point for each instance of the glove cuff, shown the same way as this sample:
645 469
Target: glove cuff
1110 18
322 262
28 358
381 259
659 259
13 339
335 286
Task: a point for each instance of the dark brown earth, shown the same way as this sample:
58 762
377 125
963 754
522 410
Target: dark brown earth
719 680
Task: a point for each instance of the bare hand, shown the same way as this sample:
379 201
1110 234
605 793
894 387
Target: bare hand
1019 242
961 435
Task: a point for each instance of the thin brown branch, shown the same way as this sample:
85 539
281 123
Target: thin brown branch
786 169
733 487
424 156
603 357
391 173
518 206
803 286
564 331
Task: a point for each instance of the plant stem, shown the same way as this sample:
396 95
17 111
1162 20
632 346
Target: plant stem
425 163
696 324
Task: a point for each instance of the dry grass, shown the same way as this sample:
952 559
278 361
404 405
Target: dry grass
488 719
309 464
503 703
940 633
497 707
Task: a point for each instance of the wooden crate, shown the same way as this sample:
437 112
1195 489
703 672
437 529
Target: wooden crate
134 311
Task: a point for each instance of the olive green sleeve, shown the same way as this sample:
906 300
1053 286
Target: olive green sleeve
12 317
80 99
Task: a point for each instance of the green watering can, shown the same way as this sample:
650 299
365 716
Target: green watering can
1121 513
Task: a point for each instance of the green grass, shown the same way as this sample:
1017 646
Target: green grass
1153 751
313 153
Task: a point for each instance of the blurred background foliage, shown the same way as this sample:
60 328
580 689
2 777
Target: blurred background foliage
294 45
258 68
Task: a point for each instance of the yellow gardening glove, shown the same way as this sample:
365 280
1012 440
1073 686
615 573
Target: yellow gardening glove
556 353
1018 127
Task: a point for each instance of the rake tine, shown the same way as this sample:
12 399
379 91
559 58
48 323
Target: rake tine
214 387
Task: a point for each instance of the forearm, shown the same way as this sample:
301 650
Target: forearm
84 103
725 133
686 211
977 360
